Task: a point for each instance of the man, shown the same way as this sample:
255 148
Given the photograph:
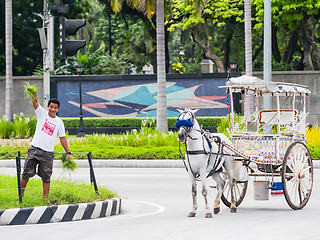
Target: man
41 152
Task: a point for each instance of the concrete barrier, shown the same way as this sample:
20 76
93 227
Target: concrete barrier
60 213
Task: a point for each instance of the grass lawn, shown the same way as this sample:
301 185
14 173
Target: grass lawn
64 191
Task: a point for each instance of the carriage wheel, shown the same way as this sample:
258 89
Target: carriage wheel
240 190
297 175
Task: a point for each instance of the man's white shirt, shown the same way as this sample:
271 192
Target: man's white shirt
47 130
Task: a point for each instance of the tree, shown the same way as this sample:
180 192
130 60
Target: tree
203 18
27 54
8 37
148 7
162 122
297 22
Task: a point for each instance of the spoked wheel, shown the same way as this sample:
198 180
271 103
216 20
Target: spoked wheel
297 175
240 190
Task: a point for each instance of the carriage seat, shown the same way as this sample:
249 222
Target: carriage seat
270 116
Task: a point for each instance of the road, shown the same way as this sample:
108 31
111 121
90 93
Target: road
156 203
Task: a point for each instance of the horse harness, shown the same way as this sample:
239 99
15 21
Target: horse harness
217 164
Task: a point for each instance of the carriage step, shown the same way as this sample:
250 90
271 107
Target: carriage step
265 174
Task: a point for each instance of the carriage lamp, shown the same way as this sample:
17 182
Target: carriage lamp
233 65
81 133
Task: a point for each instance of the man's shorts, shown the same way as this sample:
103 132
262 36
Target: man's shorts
43 159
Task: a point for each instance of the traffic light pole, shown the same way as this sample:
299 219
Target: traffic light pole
46 56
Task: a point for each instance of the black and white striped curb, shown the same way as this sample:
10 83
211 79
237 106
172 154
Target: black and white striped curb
60 213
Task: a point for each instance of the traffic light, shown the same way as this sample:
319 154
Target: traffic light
63 6
69 27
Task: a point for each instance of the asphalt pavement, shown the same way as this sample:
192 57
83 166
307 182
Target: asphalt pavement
156 202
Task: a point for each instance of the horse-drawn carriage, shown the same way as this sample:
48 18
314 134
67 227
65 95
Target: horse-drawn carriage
268 143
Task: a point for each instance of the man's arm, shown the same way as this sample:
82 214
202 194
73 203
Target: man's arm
35 101
65 145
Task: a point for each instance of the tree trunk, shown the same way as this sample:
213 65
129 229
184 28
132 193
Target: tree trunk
207 49
293 45
314 41
227 50
305 44
275 48
316 51
9 85
258 50
162 122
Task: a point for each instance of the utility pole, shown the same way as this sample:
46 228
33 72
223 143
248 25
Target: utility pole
47 39
267 53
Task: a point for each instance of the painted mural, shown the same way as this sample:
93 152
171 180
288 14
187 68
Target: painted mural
139 98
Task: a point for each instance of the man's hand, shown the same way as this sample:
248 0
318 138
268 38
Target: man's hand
68 155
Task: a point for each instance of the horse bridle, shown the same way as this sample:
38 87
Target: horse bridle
191 119
198 152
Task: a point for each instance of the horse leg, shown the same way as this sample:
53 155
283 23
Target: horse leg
233 207
229 170
205 192
220 184
194 198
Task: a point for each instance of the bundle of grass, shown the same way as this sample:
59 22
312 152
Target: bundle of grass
67 163
31 90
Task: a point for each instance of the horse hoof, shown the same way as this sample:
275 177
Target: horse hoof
216 210
191 214
208 215
233 210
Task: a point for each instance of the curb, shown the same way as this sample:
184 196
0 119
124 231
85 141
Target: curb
60 213
110 163
103 163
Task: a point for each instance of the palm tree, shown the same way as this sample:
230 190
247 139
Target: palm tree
9 84
162 122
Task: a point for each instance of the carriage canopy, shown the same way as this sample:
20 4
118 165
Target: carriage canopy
265 88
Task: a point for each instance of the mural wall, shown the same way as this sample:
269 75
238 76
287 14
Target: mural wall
137 97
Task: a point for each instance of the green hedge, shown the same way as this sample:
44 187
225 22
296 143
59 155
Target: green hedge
131 122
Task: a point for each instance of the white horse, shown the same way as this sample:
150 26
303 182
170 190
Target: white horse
204 157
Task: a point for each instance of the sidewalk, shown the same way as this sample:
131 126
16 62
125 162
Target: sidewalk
110 163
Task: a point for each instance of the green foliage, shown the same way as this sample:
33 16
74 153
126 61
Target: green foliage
150 142
131 122
95 62
31 90
26 18
193 68
178 67
6 128
62 190
144 144
216 11
21 127
67 163
224 126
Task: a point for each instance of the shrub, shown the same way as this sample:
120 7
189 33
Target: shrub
21 127
313 142
132 122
